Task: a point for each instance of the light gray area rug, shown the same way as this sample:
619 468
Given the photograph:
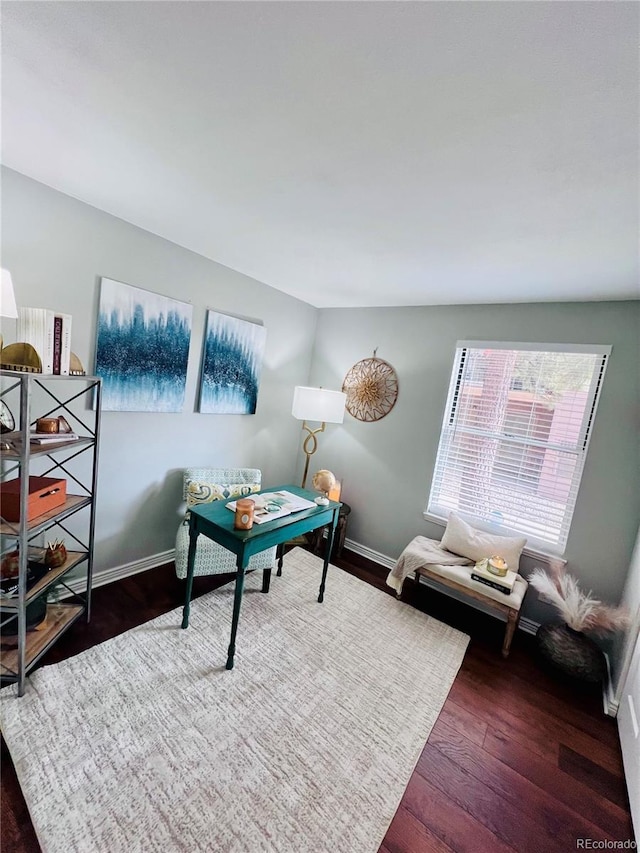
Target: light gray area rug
146 743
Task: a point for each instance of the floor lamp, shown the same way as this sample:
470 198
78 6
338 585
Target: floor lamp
316 404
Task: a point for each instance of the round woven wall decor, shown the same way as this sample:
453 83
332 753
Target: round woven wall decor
371 386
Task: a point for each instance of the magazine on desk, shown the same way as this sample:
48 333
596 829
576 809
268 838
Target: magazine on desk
272 505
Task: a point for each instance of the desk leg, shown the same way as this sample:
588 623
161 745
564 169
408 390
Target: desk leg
280 557
191 558
331 531
237 601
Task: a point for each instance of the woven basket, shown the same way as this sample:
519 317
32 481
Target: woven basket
572 652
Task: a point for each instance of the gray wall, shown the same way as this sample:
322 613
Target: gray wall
56 249
387 465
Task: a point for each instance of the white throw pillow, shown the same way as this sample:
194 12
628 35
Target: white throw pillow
461 538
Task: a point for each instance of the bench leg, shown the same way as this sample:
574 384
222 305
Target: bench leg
512 622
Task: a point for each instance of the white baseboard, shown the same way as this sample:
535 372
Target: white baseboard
609 700
370 554
119 572
528 626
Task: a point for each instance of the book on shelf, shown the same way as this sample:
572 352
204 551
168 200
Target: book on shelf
49 437
15 438
49 333
35 326
272 505
57 343
64 324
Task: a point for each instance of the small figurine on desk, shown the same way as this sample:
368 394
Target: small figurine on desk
323 481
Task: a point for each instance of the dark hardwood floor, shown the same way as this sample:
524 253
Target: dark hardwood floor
519 759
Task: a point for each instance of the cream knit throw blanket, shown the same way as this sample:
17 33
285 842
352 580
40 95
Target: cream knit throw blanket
418 553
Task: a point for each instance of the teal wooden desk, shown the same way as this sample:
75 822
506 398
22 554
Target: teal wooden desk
216 521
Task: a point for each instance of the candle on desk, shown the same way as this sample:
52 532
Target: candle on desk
334 491
243 519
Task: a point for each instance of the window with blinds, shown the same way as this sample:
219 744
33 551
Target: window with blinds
515 435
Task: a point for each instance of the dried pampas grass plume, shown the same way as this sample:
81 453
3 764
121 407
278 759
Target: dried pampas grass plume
580 610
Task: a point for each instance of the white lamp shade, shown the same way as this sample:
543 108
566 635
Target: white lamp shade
7 299
318 404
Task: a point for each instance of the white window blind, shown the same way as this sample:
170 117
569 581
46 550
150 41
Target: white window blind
515 436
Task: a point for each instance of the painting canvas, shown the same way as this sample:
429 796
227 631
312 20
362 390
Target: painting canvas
142 349
231 365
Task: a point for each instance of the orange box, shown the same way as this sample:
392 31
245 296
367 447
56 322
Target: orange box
45 493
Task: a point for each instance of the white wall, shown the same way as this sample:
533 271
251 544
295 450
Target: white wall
627 641
57 249
387 465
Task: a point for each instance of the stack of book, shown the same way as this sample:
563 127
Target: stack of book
49 333
14 439
50 437
504 584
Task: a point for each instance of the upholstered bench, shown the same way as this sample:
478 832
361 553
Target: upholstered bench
450 570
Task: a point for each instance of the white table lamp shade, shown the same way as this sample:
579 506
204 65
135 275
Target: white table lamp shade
7 298
318 404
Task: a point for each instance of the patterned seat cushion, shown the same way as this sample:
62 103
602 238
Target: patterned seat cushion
203 485
198 492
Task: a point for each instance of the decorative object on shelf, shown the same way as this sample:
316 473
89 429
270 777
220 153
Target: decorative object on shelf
20 357
55 554
323 481
44 494
10 566
64 427
10 571
371 386
36 614
142 349
75 366
231 365
7 298
7 421
316 404
53 426
47 425
566 646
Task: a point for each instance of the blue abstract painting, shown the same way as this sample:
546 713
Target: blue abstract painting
231 365
142 349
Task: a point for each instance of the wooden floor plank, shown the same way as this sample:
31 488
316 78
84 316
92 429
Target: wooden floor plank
519 710
461 720
407 834
511 823
592 774
613 819
489 711
445 818
558 697
557 823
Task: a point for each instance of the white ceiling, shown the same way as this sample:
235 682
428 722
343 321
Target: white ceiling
347 153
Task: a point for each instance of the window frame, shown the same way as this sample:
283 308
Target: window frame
537 547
